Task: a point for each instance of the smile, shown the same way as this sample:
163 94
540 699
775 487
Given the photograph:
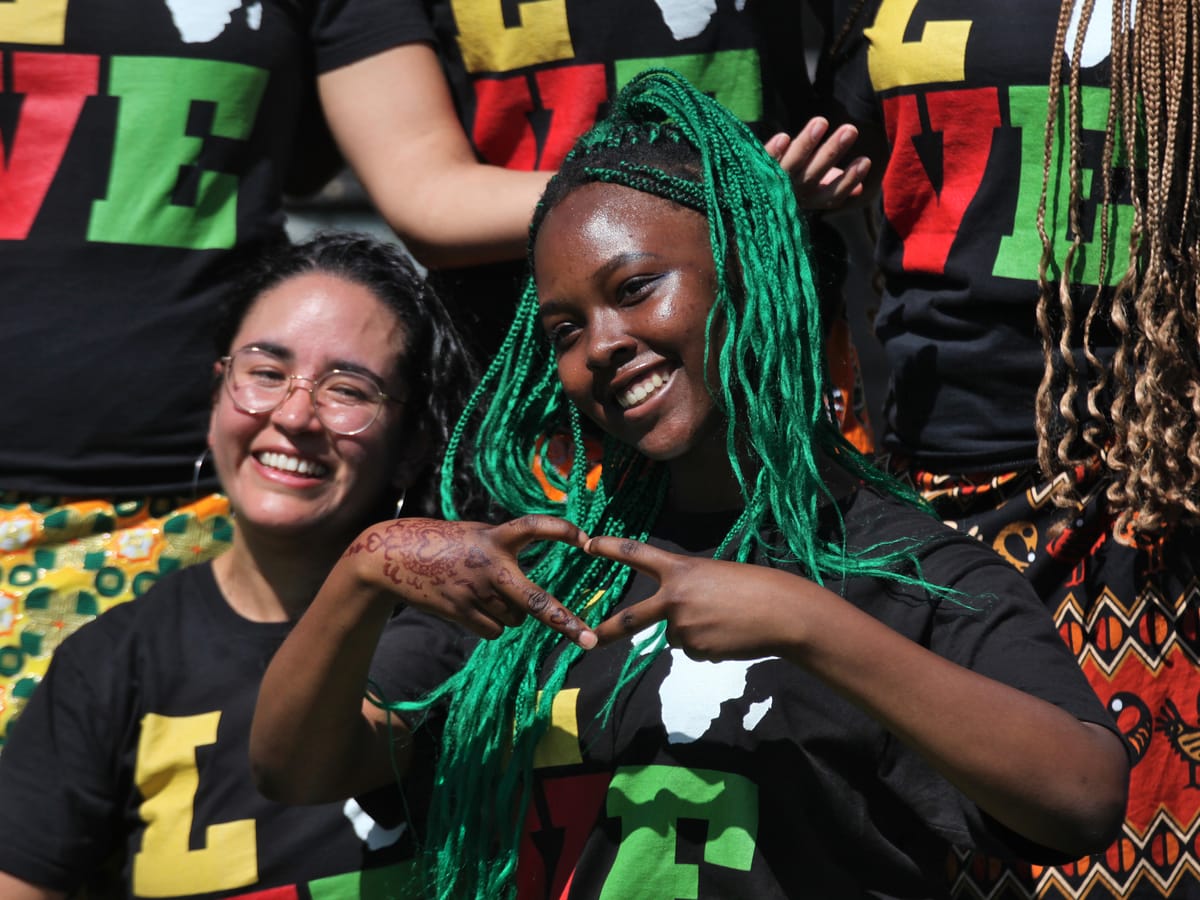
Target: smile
292 464
641 391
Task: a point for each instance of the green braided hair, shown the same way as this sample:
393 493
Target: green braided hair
665 138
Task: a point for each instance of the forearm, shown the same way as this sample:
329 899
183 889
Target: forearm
311 741
466 214
1033 767
396 125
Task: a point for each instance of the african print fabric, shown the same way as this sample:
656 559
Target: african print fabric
63 562
1129 614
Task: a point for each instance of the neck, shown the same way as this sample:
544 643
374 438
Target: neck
266 580
703 481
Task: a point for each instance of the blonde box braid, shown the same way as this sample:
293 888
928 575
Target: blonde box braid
1142 418
771 391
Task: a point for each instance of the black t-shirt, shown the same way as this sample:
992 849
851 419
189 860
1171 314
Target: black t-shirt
135 747
146 144
961 93
753 779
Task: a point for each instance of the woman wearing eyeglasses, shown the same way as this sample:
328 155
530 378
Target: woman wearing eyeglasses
340 378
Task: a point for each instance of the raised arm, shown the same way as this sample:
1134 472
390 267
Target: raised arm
395 123
314 739
1032 766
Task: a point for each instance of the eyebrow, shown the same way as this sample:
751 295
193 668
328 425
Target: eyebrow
341 365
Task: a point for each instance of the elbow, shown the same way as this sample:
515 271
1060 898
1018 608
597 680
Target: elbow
1105 815
289 786
1096 818
272 777
279 772
270 785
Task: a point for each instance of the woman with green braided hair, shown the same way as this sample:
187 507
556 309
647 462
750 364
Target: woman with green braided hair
745 664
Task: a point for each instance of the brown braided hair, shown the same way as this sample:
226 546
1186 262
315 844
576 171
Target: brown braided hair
1139 415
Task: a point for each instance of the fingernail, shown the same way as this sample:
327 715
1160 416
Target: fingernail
587 639
816 128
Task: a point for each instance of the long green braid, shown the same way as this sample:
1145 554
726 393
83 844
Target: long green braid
771 389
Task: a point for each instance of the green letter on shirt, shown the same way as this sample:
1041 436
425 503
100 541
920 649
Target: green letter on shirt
152 147
650 800
731 77
1021 251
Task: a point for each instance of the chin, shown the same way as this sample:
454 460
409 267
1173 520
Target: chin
666 447
281 519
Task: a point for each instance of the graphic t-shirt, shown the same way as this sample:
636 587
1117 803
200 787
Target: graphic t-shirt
135 746
962 91
753 779
144 147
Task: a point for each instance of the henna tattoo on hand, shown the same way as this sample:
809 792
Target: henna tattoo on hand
423 550
537 601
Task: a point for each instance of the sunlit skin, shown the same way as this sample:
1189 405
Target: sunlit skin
625 284
315 322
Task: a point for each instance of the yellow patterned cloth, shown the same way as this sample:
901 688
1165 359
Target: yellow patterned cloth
63 562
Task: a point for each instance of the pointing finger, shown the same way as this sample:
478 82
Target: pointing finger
632 620
648 560
527 597
516 533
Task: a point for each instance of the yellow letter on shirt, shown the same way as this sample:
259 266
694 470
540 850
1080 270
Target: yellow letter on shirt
34 22
489 45
894 62
167 778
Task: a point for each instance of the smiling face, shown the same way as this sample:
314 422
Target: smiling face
625 283
284 472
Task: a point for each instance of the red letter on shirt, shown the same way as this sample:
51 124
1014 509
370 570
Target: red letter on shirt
55 86
935 171
509 120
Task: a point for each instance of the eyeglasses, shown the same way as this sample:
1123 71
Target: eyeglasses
258 382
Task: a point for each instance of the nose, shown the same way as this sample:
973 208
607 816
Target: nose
297 411
608 342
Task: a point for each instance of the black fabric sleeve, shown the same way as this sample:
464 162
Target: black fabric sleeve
346 31
997 627
416 653
990 621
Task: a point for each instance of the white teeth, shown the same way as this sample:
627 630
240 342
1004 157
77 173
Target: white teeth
292 464
638 393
